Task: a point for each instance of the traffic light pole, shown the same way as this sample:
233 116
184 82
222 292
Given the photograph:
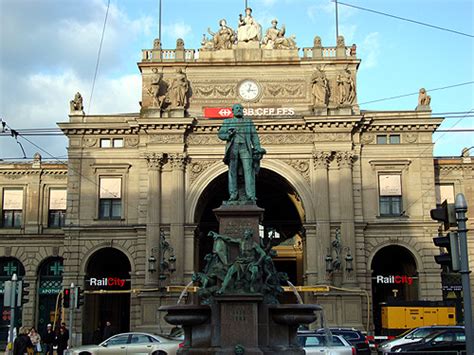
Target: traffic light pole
461 209
71 317
12 308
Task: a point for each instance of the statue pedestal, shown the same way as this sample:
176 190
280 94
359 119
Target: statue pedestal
176 112
240 320
150 112
235 219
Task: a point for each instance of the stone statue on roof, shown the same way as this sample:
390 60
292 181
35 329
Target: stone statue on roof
222 39
424 100
249 29
275 38
76 103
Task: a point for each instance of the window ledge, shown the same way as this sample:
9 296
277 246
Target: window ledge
393 217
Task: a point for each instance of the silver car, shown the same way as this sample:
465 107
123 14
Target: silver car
130 343
314 343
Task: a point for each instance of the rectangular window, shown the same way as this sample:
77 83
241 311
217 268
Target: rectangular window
110 198
388 139
394 139
105 143
382 139
390 194
57 208
12 211
109 143
444 192
118 142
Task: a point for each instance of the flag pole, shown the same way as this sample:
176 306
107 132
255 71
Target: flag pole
337 21
159 20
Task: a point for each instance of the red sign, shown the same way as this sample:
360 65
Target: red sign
218 112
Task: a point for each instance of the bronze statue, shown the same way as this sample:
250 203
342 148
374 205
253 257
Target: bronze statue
242 153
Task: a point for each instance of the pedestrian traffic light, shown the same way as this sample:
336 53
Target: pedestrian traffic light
78 297
23 293
451 257
66 297
446 214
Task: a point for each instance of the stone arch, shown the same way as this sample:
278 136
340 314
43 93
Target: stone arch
292 177
86 257
416 256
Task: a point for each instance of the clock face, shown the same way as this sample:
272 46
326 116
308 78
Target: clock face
249 90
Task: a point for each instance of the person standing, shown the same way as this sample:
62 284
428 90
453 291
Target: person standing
48 340
107 331
22 344
35 340
62 340
242 152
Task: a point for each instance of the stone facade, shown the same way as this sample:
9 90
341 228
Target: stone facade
329 157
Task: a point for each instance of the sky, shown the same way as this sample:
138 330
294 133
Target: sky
48 52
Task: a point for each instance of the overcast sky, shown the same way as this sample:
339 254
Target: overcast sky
49 51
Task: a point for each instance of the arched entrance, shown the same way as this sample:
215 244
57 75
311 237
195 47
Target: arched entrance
394 278
8 267
107 277
50 279
282 221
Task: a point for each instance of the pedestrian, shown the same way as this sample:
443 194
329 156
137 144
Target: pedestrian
97 336
48 340
107 331
66 331
35 340
61 340
22 344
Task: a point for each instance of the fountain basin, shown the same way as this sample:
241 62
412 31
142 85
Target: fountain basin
186 315
293 314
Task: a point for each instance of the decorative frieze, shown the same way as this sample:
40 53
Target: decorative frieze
132 141
300 165
286 138
203 139
166 138
197 167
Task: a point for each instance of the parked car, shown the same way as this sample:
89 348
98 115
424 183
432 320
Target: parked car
354 337
130 343
443 340
412 336
316 343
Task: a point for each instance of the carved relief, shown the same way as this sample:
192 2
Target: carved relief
301 165
285 89
411 137
367 138
332 137
203 139
319 89
154 160
131 141
166 138
321 159
198 167
345 159
345 92
213 90
286 138
90 142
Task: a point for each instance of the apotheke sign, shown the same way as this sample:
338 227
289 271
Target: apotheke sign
106 282
394 279
226 112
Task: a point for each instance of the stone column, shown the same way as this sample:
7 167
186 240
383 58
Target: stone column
178 164
154 163
32 219
320 188
346 203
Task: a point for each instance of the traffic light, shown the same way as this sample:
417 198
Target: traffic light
446 214
78 297
22 293
66 298
451 257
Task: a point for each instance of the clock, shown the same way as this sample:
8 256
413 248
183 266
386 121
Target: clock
248 90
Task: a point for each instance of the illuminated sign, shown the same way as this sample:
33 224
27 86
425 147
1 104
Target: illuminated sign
394 279
226 112
107 282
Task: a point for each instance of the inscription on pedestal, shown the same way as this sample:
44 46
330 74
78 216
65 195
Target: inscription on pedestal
239 324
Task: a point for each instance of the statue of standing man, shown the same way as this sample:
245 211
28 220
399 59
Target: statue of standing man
242 153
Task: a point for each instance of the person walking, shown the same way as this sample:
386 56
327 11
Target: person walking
107 331
22 344
48 340
61 340
35 340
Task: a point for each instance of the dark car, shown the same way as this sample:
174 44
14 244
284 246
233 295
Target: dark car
443 340
354 337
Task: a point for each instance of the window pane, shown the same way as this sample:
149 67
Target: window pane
57 199
118 142
56 219
396 205
105 143
381 139
444 192
7 218
384 206
116 209
104 208
110 187
13 199
394 139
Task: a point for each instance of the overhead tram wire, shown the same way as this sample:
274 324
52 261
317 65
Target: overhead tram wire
406 19
98 56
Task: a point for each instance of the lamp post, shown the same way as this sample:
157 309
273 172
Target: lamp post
166 258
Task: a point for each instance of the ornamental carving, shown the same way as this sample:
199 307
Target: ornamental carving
301 165
321 159
345 92
345 159
411 137
285 90
285 138
197 167
154 160
177 160
332 137
367 138
90 142
166 138
131 141
203 139
213 91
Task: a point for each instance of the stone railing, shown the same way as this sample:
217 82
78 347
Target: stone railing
192 55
